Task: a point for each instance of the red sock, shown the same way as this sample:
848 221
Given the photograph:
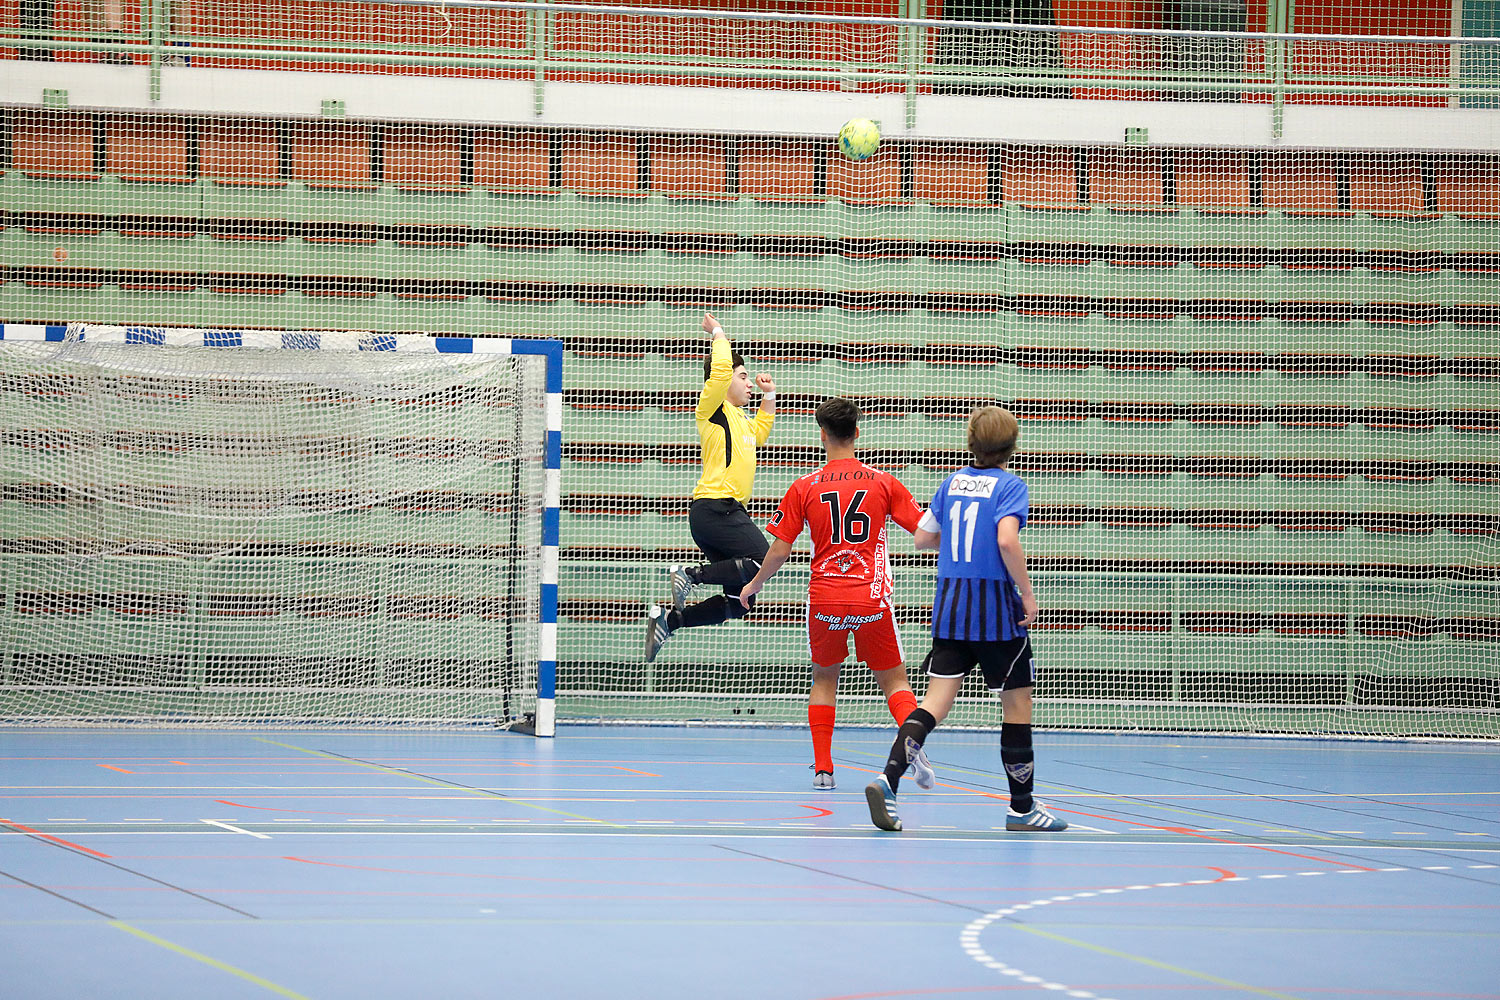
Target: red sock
820 721
901 704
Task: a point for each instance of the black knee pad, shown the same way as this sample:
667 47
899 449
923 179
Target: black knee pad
738 610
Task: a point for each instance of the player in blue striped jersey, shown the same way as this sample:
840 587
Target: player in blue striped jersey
980 612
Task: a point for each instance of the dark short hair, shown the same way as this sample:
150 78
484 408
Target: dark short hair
839 417
736 360
993 432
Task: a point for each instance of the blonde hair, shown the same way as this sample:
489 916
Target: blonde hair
993 431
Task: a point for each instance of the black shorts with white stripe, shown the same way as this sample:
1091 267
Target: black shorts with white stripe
1007 663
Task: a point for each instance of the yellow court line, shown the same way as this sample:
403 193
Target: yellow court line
1143 960
198 956
398 772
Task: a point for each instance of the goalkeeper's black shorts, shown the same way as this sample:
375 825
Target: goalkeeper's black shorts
723 530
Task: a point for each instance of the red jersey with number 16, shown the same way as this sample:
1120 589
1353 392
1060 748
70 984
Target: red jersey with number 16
845 504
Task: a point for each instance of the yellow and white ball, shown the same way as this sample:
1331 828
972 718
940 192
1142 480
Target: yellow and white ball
859 138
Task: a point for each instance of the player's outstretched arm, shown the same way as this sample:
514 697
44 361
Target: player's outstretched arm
776 558
1008 536
903 509
720 372
929 534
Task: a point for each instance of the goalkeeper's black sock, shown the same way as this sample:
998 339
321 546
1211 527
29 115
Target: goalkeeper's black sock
917 726
1020 767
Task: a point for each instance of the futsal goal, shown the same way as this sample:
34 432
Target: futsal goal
277 528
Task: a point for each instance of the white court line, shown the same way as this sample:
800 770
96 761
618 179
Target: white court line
235 829
968 938
499 829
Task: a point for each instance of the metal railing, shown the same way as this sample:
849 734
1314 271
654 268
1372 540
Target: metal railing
540 41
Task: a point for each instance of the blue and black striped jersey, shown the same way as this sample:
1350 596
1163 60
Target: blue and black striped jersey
975 598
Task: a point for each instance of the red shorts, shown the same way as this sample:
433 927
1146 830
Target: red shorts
877 641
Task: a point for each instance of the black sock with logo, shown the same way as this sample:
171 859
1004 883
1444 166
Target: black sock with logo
1020 763
918 726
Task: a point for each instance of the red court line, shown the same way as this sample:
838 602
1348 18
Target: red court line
47 836
1189 832
120 769
818 812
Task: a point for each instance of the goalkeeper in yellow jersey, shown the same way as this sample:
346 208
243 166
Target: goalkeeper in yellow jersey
718 519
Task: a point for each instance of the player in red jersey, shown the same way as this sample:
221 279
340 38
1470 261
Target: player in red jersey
845 504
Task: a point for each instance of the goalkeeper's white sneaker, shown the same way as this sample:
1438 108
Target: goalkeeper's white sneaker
919 765
823 781
657 631
882 804
1039 820
682 585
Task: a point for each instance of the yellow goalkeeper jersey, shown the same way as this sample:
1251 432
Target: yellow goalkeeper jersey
727 436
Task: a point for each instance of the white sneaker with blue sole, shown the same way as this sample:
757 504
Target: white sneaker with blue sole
1039 820
882 804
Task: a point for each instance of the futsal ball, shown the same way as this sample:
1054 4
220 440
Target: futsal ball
859 138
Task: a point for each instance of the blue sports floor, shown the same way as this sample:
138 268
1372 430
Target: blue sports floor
698 862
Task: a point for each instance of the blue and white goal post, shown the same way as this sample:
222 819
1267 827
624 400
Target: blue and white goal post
266 527
551 353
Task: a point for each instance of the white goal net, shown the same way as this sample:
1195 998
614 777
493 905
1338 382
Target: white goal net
275 528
